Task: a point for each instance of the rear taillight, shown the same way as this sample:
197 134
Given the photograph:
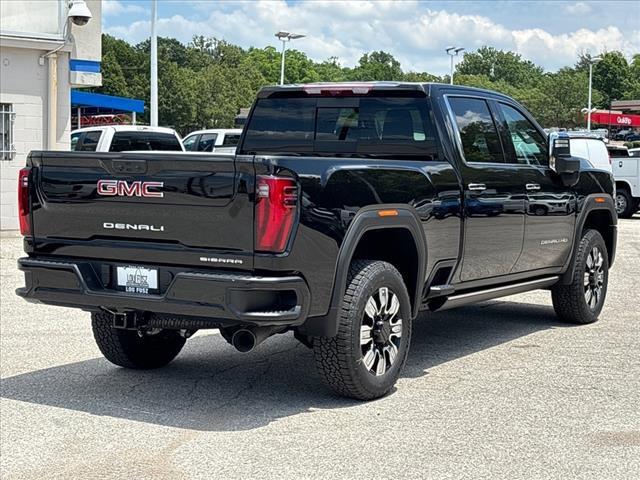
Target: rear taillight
24 202
276 203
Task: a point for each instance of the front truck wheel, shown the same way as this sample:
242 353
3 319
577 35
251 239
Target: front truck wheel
126 348
582 300
365 358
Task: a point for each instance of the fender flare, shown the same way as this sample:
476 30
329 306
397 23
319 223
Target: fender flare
367 219
604 202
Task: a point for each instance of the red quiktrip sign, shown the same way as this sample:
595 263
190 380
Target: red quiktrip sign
615 119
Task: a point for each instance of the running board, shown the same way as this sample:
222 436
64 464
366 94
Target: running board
480 296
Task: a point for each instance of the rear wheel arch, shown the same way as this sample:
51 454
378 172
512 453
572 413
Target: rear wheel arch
394 245
366 237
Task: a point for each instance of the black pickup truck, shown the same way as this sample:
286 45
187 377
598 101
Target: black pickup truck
347 210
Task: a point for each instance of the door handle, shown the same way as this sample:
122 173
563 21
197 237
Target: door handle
532 186
477 187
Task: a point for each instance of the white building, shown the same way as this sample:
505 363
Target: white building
42 56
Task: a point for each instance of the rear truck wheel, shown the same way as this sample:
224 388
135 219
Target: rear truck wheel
126 348
363 361
582 300
625 204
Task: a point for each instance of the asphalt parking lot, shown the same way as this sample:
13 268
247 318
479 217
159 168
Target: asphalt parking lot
497 390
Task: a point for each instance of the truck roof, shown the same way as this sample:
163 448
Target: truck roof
364 87
127 128
232 131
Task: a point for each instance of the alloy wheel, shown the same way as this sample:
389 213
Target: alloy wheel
593 278
381 331
621 203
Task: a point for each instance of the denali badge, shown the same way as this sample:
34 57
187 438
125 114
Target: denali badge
554 241
132 226
123 188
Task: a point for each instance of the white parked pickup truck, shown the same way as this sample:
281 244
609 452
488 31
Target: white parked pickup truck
125 138
626 171
221 140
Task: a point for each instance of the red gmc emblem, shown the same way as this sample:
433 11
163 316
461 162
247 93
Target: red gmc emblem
122 188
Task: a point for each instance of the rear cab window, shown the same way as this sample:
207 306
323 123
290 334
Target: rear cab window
144 140
387 125
230 139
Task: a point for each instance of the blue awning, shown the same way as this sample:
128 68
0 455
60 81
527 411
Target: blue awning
105 103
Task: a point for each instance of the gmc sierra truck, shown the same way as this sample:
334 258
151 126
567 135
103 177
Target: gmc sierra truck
346 210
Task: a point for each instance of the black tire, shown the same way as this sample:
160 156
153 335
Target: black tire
126 348
340 360
570 301
626 205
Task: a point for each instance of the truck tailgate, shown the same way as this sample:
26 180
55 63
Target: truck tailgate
199 204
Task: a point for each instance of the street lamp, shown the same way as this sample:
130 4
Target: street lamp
285 37
453 52
592 61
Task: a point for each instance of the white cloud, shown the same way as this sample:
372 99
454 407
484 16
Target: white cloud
413 33
116 7
579 8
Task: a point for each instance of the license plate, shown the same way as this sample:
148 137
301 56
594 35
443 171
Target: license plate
134 279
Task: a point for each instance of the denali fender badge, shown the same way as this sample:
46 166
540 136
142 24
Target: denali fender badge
132 226
122 188
554 241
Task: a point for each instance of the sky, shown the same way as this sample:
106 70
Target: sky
550 33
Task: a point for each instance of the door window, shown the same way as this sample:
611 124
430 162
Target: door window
90 141
480 140
75 138
529 146
189 143
207 142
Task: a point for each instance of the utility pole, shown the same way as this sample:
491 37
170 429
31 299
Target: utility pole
154 64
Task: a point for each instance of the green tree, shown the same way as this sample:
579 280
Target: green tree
611 77
377 66
113 79
498 65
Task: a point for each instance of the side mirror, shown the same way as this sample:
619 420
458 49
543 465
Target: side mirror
561 161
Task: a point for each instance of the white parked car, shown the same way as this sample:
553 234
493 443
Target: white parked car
593 149
221 140
121 138
626 171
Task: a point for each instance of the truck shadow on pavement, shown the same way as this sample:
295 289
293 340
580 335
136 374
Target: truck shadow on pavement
211 387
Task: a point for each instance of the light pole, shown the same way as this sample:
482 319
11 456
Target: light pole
453 52
154 65
592 61
285 37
